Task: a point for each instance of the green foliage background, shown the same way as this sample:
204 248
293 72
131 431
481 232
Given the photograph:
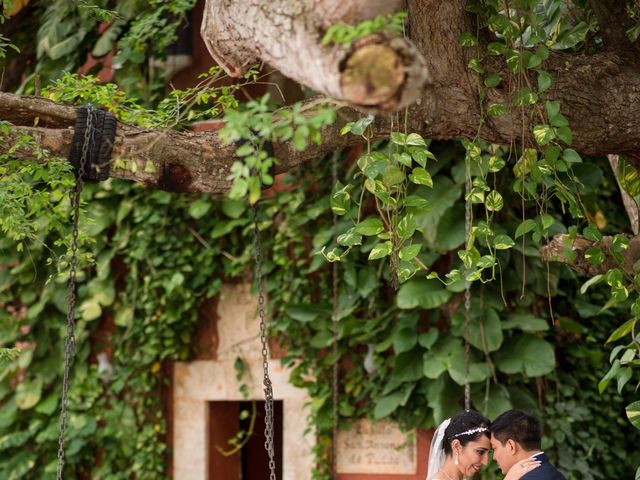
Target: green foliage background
151 258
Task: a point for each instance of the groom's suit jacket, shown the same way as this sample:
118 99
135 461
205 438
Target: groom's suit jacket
546 471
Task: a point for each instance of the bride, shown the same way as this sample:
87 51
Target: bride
460 447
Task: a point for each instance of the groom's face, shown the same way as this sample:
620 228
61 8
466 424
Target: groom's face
503 453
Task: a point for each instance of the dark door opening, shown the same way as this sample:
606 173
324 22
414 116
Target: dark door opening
252 461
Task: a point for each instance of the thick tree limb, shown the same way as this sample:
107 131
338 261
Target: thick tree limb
561 249
159 158
613 21
379 72
599 94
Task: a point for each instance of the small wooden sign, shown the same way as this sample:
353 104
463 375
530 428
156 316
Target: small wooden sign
376 448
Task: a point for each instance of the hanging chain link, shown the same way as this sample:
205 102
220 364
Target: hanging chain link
268 390
70 340
336 366
467 289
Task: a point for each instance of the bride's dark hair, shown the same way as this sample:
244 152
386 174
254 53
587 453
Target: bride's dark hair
466 427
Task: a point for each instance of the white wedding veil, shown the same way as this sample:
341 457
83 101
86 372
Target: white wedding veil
436 452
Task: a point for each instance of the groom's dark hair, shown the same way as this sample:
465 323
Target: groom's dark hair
517 425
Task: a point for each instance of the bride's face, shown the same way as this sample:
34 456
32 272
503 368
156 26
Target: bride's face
473 456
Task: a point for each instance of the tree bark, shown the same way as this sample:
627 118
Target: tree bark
557 250
599 93
380 72
158 158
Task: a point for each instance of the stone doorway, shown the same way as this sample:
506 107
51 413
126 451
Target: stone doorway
251 462
199 384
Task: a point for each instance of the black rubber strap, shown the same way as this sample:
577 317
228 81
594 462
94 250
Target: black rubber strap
102 137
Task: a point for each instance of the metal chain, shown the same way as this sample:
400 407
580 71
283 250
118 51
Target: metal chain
70 340
268 390
467 289
336 366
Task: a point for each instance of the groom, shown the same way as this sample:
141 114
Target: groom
515 435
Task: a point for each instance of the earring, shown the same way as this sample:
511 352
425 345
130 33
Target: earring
455 462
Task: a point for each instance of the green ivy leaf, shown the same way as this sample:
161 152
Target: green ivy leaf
306 312
492 80
592 281
410 252
421 155
341 199
475 65
380 250
427 294
524 97
321 340
495 163
349 239
546 221
564 134
393 176
592 233
525 322
369 227
404 340
200 208
359 127
594 255
494 201
406 227
629 177
428 338
534 61
402 158
528 355
496 48
610 375
525 227
503 242
398 138
633 414
28 393
416 140
420 176
496 110
543 134
48 405
571 156
467 40
544 81
388 404
622 331
416 202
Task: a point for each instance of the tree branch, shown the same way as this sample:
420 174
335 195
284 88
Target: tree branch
159 158
380 72
572 253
